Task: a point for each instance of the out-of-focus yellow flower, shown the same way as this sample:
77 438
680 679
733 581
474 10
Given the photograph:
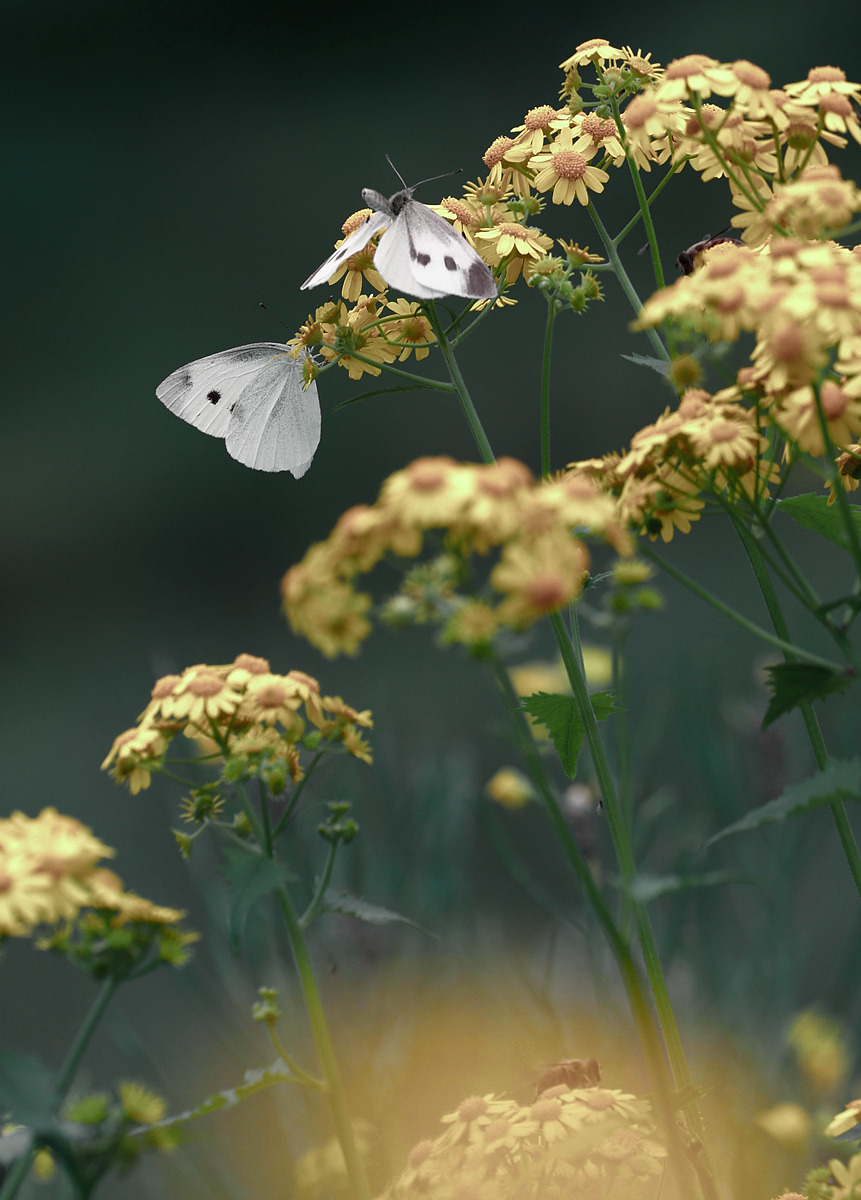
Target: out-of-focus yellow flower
820 1047
788 1124
510 788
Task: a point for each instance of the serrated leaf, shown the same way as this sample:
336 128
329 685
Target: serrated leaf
559 716
351 906
249 876
654 364
646 888
794 683
841 780
814 513
604 705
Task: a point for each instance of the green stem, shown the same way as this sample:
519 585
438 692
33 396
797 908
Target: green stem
704 594
18 1170
322 1039
314 907
624 853
73 1058
552 310
624 282
469 410
811 722
643 1018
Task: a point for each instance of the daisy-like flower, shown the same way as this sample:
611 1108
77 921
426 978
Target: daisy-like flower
134 755
245 667
539 576
641 64
429 492
839 115
358 334
201 696
818 201
660 503
823 81
798 416
272 699
537 126
567 171
45 865
596 50
515 245
473 624
597 133
411 327
752 90
695 73
651 127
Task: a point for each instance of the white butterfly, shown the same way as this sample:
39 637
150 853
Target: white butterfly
419 254
253 397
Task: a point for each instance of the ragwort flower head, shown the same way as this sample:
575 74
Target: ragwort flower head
567 171
480 508
595 50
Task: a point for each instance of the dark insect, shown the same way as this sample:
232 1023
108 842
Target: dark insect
685 261
573 1072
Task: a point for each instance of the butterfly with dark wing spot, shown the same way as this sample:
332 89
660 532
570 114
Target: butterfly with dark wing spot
419 253
254 397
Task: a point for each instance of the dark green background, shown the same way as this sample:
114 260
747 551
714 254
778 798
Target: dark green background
165 166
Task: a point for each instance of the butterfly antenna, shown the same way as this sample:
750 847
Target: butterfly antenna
280 320
445 175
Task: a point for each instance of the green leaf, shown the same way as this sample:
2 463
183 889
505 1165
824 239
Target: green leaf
351 906
249 876
559 716
814 512
794 683
646 360
841 780
646 888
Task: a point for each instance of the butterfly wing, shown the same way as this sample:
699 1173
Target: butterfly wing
275 423
355 242
204 391
422 255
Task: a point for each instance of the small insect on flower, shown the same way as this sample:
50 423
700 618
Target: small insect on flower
573 1072
419 254
685 261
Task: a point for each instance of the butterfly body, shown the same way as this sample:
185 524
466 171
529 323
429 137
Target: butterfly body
419 254
254 397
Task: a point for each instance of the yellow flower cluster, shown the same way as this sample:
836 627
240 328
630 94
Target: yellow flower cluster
540 568
238 710
706 443
49 871
802 300
589 1142
372 334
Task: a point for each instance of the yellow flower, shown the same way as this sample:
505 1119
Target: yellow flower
358 266
134 755
595 50
201 696
539 576
510 788
849 470
45 864
413 328
140 1104
567 171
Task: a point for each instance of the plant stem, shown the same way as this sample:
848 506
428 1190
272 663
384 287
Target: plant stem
625 283
811 722
18 1171
757 630
552 310
322 1039
469 409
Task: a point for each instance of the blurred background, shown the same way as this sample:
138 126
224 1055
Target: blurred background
166 166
